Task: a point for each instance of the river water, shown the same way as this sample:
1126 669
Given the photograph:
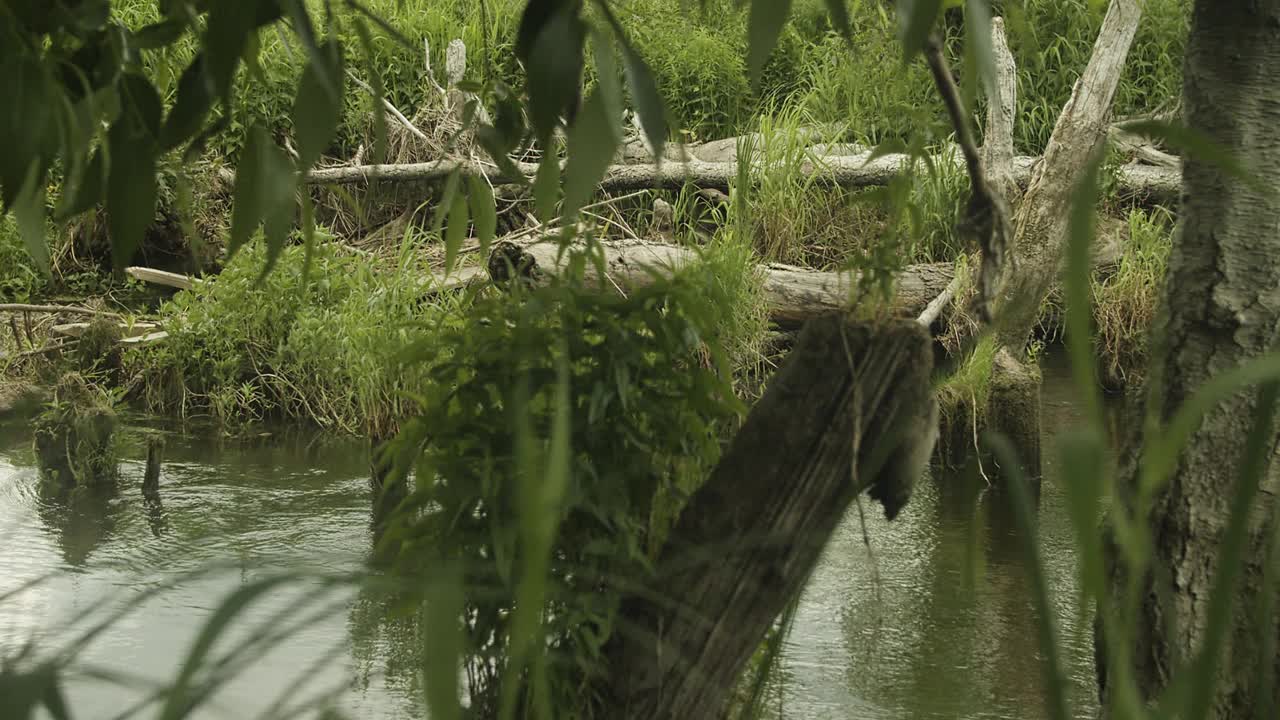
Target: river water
925 617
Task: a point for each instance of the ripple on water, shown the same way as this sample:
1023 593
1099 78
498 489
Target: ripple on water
226 515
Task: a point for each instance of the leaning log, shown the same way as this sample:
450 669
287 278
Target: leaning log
1153 184
793 294
1041 223
830 425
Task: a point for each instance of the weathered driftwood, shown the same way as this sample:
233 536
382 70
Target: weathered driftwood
162 277
1041 221
750 536
1133 180
150 338
793 294
997 150
1142 149
933 310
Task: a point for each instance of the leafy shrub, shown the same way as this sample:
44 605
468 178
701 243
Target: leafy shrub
575 416
20 279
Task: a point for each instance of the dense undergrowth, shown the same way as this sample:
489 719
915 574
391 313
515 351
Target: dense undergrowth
641 387
274 363
315 343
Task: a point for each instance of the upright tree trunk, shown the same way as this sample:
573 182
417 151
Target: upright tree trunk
1221 308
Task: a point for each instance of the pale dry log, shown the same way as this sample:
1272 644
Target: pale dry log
1041 221
854 171
997 136
125 329
750 536
934 309
793 294
162 277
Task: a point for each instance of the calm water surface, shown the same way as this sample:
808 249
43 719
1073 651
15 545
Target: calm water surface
933 620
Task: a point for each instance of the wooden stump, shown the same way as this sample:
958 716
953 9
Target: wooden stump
1015 408
843 414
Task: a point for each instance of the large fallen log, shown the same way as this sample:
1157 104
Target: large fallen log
793 294
1143 182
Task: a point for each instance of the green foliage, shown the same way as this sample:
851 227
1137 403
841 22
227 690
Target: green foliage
638 386
20 278
1051 42
320 350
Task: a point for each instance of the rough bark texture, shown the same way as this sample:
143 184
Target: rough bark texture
751 535
997 136
1041 221
793 294
1221 308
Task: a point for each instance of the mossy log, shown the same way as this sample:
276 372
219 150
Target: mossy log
824 431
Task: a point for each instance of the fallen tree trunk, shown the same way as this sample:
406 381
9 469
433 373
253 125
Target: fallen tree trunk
1142 182
850 409
793 294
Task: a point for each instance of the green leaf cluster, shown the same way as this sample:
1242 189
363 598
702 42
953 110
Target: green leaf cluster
556 425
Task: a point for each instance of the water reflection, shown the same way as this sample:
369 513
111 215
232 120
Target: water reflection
931 616
928 617
229 514
79 520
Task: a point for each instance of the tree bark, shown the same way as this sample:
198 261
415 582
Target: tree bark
997 135
1221 308
750 537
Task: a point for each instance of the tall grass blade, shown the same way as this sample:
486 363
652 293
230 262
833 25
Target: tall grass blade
444 606
179 696
1055 678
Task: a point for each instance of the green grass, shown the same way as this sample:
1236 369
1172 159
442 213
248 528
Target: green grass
878 99
321 351
20 277
1126 301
